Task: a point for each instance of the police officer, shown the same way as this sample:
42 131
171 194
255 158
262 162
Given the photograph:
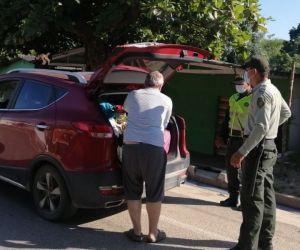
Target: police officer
267 111
232 132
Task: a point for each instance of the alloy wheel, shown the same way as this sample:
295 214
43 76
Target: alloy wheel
49 192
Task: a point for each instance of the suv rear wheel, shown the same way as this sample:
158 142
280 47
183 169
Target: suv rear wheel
50 195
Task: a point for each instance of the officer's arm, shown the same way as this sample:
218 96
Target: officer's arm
261 124
285 112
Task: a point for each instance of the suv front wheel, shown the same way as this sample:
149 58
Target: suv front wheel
50 195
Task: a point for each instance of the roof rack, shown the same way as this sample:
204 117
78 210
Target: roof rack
74 76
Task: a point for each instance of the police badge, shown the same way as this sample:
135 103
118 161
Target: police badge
260 102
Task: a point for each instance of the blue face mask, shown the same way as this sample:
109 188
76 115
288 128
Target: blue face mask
246 77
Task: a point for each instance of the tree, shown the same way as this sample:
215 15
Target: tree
292 47
280 53
223 27
272 49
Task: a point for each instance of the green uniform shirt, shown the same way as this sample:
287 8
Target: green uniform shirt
267 111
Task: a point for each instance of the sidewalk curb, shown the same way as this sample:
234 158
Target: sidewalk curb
219 179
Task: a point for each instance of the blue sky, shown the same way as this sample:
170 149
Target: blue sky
286 15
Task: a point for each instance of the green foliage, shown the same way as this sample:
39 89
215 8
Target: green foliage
219 26
281 62
280 53
272 49
32 24
292 47
4 57
223 27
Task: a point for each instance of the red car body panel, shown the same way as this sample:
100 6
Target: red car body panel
23 140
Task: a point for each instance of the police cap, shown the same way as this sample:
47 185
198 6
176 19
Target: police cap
238 80
259 63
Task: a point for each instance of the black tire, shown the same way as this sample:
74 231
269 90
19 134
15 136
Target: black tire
50 195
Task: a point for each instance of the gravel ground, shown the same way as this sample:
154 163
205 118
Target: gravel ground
287 174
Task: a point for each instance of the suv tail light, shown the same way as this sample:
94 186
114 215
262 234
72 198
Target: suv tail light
94 129
182 139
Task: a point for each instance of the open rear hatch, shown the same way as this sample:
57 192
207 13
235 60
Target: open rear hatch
129 64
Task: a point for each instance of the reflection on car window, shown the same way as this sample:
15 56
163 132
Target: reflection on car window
34 95
7 89
59 92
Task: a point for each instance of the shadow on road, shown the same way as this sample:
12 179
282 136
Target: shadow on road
13 198
87 215
80 238
21 227
187 201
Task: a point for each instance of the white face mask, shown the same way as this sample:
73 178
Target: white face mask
240 89
246 77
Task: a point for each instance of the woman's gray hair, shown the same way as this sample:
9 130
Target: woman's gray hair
154 78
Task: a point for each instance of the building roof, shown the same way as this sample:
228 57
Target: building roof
74 58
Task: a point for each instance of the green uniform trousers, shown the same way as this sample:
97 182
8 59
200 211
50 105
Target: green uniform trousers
233 173
259 207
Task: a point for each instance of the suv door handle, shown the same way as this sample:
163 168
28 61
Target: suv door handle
42 126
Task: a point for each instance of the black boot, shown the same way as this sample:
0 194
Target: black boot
230 202
236 247
268 246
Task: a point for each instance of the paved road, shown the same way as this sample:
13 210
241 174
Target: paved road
191 217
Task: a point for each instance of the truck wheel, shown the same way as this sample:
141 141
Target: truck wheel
50 195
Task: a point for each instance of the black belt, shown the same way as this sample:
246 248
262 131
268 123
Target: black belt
236 133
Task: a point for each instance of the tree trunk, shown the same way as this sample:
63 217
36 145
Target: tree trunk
285 128
94 55
94 49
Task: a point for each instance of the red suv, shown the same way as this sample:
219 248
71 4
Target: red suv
56 142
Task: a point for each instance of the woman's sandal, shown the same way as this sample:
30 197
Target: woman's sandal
161 235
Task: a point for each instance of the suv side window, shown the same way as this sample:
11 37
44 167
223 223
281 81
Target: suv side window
7 89
34 95
59 92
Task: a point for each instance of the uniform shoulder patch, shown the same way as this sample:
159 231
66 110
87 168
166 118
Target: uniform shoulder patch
262 89
260 102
